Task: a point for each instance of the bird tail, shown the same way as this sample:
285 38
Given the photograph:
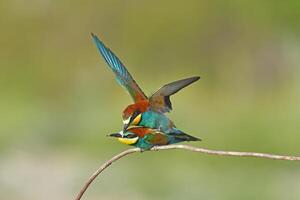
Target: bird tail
180 136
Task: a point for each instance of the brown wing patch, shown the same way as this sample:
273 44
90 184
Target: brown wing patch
159 139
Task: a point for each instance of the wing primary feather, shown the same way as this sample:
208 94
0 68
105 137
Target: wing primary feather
122 75
160 100
174 87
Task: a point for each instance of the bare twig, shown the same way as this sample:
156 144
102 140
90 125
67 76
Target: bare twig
190 148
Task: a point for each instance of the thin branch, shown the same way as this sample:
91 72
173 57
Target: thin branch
190 148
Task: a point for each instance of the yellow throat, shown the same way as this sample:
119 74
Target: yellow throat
128 141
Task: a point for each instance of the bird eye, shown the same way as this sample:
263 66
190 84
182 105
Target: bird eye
130 136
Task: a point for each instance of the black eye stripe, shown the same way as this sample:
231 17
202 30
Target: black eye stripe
130 136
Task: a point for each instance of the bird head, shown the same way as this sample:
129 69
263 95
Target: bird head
132 115
125 137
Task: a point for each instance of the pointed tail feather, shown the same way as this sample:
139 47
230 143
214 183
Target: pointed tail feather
179 135
186 137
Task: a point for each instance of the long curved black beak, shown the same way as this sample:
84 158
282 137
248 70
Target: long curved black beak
134 115
115 135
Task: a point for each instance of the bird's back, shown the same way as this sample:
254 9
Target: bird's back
156 120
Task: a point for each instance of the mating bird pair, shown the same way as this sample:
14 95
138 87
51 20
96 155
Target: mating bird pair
145 122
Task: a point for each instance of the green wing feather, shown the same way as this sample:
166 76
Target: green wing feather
122 75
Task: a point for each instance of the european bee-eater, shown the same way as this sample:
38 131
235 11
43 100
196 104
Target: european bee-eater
145 112
146 138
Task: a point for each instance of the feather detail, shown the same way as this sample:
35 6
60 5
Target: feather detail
140 131
122 75
160 100
158 139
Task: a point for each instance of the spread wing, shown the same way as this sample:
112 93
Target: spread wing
160 100
122 75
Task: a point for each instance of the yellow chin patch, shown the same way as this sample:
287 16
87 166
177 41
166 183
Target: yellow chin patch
128 141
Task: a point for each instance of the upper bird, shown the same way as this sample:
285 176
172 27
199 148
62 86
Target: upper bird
145 112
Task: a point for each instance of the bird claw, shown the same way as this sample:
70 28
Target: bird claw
142 150
154 148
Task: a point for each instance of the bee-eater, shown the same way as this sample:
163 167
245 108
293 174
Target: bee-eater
145 112
146 138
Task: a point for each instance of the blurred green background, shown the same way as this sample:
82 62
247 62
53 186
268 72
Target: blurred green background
59 99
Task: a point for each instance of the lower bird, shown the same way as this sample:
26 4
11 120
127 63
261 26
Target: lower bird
146 138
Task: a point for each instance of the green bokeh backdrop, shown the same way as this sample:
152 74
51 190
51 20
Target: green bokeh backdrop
59 99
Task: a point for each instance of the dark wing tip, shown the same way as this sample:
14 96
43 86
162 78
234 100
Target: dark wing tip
96 39
98 42
193 138
94 36
195 78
